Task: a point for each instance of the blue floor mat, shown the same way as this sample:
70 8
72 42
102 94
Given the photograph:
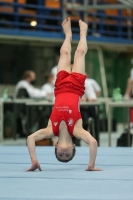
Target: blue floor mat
66 181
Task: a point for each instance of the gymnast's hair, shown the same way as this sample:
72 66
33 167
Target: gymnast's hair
73 154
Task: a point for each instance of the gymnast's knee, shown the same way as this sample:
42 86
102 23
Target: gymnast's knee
64 52
80 52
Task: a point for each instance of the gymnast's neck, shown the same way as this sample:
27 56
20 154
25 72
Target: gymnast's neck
64 136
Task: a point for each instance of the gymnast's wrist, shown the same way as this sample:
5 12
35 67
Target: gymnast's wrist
91 165
34 160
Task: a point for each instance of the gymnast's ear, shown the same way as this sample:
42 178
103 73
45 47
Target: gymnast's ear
73 146
56 145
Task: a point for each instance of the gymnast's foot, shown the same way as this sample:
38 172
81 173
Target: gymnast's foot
83 27
66 24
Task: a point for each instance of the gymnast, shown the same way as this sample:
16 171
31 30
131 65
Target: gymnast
65 120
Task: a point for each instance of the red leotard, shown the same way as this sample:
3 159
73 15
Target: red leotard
69 88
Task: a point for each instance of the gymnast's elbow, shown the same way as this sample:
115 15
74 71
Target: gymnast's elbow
94 142
30 138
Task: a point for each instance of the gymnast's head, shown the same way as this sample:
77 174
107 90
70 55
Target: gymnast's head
64 152
64 149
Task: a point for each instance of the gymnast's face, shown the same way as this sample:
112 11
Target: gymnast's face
64 152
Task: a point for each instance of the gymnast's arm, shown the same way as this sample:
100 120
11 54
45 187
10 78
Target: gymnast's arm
80 133
38 135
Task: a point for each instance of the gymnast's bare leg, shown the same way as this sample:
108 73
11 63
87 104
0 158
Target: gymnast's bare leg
64 64
79 67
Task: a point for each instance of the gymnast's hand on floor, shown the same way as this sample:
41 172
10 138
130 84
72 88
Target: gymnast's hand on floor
35 165
93 168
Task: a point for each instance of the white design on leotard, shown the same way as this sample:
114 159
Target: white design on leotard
70 111
70 122
55 123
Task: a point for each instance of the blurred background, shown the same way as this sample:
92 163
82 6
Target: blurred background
30 39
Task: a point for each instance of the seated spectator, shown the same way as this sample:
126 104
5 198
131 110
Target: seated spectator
90 94
129 88
94 84
48 87
92 90
29 78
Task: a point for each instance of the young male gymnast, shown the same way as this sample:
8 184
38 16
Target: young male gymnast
65 120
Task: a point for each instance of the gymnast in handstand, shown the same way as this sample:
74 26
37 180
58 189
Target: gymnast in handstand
65 120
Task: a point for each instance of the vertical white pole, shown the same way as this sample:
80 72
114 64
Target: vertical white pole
1 121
